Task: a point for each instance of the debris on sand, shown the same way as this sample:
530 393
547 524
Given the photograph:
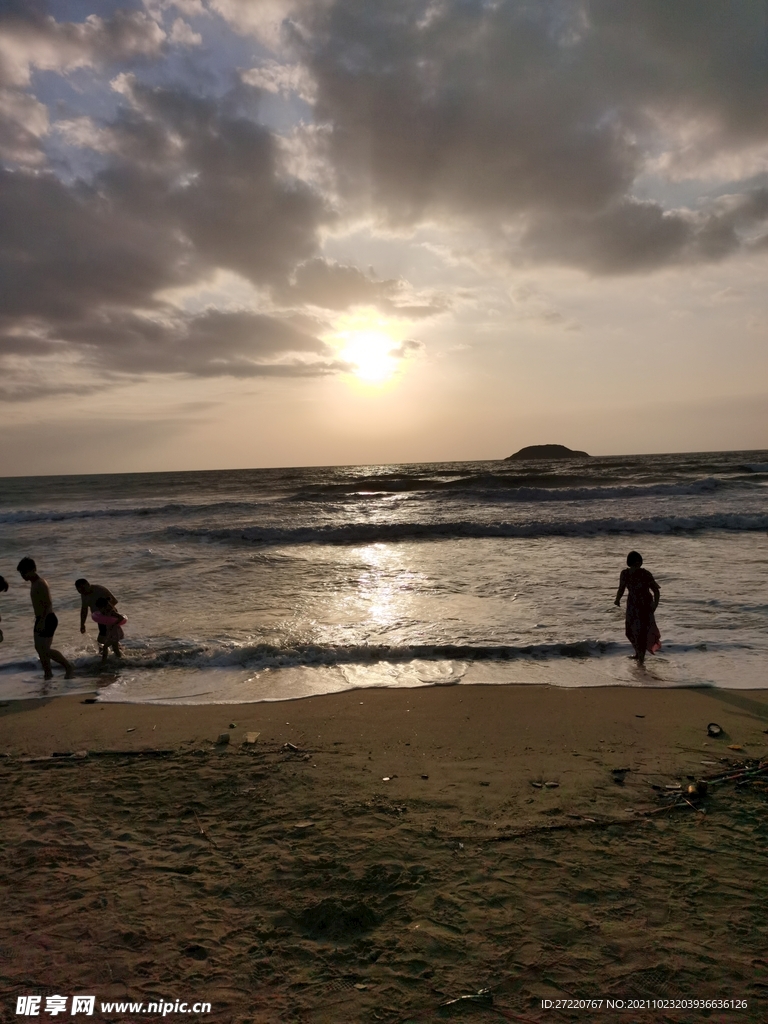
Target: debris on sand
753 772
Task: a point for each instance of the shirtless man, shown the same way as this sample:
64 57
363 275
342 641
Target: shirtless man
90 593
45 620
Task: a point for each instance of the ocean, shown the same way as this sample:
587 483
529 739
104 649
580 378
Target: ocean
254 585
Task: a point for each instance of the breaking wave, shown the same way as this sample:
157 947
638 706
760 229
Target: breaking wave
370 533
226 508
258 657
473 489
502 489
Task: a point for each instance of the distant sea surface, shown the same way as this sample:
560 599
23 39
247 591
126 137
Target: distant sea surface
252 585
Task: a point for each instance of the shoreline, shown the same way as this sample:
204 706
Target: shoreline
465 719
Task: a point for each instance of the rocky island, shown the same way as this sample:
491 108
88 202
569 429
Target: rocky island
546 451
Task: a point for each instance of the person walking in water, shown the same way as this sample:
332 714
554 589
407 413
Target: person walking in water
45 620
642 601
90 595
3 588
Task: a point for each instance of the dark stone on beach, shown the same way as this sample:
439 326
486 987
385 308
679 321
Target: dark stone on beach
337 919
547 451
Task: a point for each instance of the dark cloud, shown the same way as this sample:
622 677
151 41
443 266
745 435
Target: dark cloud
407 348
699 56
67 250
213 344
188 187
529 121
462 108
330 285
540 115
629 236
333 286
214 177
33 38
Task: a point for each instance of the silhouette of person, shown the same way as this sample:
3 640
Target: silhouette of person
3 588
642 601
46 620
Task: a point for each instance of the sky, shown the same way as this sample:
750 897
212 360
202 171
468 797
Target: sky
245 233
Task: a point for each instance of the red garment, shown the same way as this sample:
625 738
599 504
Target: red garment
641 629
111 623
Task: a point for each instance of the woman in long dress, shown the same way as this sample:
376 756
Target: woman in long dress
642 601
3 588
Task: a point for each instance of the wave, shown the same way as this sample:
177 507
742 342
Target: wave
258 657
369 533
227 508
62 515
466 490
540 494
262 657
502 488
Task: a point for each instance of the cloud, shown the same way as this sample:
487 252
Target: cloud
330 285
23 122
275 77
473 110
264 19
108 344
218 176
538 118
213 344
183 35
30 40
188 187
503 127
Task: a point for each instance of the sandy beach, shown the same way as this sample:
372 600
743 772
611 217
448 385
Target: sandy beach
376 854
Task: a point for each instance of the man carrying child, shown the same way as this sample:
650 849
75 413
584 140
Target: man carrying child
101 604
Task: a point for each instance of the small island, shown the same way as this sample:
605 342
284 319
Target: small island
547 451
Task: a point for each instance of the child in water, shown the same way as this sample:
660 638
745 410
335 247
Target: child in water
110 622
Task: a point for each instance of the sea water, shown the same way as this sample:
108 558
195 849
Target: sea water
251 585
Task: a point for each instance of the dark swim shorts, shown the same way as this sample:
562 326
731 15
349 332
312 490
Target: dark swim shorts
46 627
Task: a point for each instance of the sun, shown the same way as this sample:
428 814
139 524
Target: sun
371 354
370 344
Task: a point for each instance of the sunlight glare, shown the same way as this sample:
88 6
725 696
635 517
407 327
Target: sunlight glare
371 344
370 352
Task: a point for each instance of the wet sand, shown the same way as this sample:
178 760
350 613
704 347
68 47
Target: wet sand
378 853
